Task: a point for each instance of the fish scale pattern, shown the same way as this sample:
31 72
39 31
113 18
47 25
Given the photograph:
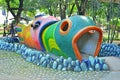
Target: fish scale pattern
109 50
44 59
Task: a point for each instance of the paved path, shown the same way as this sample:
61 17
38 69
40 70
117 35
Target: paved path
114 65
14 67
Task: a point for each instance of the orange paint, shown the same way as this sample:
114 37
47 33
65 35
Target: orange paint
82 32
66 23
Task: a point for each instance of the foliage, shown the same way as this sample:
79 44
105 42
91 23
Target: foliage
103 13
106 14
2 3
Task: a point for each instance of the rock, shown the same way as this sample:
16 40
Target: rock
73 63
97 67
69 59
83 66
42 60
92 60
61 59
29 59
91 69
64 69
105 67
44 64
77 63
77 69
55 64
113 63
59 67
65 63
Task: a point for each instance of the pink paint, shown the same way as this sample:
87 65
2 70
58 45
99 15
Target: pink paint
36 32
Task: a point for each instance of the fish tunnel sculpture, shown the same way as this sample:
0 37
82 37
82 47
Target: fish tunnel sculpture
71 37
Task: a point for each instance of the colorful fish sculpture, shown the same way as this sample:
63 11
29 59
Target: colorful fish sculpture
72 37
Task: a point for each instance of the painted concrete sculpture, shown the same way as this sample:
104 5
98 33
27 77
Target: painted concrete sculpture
69 37
45 60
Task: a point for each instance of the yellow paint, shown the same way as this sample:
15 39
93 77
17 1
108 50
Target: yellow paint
53 44
25 35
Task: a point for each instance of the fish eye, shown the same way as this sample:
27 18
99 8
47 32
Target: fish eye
31 25
37 24
65 26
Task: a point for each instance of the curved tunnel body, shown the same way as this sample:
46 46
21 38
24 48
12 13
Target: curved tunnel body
70 37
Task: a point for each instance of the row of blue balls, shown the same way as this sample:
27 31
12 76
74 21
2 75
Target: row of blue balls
40 58
10 40
109 50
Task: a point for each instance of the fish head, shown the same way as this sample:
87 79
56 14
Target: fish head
78 35
19 28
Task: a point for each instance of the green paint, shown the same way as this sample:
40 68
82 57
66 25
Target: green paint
49 41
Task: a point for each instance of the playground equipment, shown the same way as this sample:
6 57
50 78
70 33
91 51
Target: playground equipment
69 37
40 58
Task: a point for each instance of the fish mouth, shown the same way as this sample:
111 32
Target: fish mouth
87 41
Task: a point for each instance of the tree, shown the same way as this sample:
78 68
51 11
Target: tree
71 10
81 6
63 7
106 14
15 9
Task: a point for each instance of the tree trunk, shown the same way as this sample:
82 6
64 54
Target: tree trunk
63 8
71 9
5 23
114 29
19 10
16 15
109 16
54 9
94 10
117 33
50 11
81 6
